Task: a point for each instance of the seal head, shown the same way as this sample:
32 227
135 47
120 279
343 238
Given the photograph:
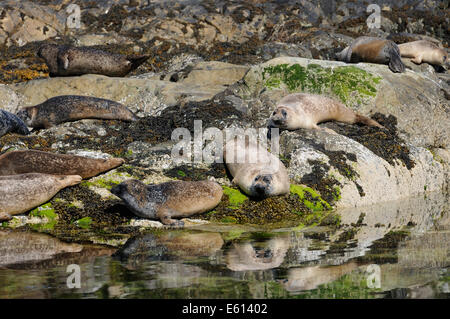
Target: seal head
10 123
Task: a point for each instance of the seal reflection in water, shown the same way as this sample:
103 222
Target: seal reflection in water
245 256
66 108
373 50
31 161
10 123
25 247
423 51
65 60
257 172
303 110
169 200
20 193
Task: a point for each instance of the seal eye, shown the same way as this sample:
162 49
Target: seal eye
283 112
266 179
274 112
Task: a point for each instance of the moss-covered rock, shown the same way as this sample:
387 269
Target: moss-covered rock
348 83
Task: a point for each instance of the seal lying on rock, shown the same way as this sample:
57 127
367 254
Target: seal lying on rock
423 51
373 50
66 60
10 123
304 110
169 200
31 161
66 108
257 172
20 193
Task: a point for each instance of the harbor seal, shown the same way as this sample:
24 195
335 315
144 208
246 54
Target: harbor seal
66 108
423 51
32 161
257 172
20 193
373 50
63 60
304 110
10 123
169 200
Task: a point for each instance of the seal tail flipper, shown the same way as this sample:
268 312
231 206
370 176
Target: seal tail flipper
136 61
365 120
343 55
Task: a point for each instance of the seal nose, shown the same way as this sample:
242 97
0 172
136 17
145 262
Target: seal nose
260 189
116 190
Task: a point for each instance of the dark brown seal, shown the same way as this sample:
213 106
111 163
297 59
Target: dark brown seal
373 50
31 161
169 200
66 108
65 60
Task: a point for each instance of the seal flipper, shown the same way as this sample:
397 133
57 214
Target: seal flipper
344 55
136 61
164 214
367 121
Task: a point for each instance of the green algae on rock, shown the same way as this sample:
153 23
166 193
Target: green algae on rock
235 197
349 83
84 222
310 198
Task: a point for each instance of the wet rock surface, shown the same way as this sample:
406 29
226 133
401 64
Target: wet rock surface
227 63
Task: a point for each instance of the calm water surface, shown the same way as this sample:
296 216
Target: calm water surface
394 250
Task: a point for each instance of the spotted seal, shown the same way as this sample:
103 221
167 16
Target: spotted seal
33 161
169 200
10 123
20 193
305 110
66 108
64 60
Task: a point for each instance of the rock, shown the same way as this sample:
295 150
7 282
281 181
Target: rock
26 21
215 73
9 99
32 30
374 179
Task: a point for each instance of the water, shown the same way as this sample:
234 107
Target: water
393 250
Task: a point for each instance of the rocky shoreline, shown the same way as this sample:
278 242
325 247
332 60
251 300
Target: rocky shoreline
227 63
